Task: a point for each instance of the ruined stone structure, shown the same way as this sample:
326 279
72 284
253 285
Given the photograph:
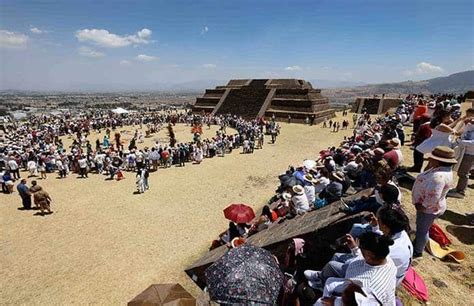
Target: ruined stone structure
375 106
254 98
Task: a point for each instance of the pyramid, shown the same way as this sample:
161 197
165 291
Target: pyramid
256 98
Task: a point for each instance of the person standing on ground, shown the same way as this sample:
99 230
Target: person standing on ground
429 193
43 200
14 168
467 158
421 134
82 166
25 194
42 169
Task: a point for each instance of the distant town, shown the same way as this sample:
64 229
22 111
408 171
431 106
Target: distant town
19 104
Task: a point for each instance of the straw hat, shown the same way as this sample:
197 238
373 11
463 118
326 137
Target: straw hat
286 196
379 151
310 178
338 176
237 241
443 154
298 189
394 143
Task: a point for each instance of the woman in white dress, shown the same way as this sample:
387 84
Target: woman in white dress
32 168
199 155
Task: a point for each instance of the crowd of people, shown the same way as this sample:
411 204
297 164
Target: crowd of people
378 252
37 147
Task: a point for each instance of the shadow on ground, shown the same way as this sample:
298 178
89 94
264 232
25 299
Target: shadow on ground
465 234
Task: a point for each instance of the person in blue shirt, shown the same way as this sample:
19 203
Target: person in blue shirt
25 194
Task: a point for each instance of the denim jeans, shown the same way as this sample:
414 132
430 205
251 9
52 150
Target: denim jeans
369 204
337 267
423 224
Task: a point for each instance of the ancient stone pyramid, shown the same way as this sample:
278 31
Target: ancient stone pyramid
255 98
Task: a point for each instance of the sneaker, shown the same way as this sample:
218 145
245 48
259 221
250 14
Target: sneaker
417 255
314 279
453 193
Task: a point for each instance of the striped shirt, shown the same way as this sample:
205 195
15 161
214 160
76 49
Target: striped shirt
380 279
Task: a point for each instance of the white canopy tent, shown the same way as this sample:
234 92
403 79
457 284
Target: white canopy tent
120 111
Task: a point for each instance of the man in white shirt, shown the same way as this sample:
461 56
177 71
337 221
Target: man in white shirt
14 168
99 162
299 200
82 166
309 189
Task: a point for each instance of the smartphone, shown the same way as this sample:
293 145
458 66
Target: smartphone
341 241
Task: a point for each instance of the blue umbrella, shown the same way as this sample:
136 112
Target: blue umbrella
246 274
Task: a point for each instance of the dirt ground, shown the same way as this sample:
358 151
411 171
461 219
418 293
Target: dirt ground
103 245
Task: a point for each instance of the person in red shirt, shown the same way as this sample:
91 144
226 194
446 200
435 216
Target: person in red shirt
165 154
390 156
423 133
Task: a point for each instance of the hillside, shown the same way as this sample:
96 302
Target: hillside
458 83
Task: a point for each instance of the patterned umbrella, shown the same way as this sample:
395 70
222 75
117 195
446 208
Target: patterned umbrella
239 213
246 274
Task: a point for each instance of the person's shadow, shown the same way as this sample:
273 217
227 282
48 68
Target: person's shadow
465 234
455 218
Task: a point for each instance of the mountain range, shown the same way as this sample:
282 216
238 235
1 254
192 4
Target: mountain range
457 83
338 91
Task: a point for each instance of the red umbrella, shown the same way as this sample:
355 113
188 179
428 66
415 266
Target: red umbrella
239 213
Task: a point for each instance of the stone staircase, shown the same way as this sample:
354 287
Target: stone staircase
246 100
208 102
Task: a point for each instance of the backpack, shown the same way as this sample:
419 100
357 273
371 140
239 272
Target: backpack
414 284
437 234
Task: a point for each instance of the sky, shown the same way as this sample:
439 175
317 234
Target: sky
71 45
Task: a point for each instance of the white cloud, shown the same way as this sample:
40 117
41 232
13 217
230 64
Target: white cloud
13 40
209 66
204 30
424 68
88 52
145 58
104 38
35 30
144 33
125 63
293 68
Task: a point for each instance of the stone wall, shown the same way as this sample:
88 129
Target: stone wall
375 106
320 228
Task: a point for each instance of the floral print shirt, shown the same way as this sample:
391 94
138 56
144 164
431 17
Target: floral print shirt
430 189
